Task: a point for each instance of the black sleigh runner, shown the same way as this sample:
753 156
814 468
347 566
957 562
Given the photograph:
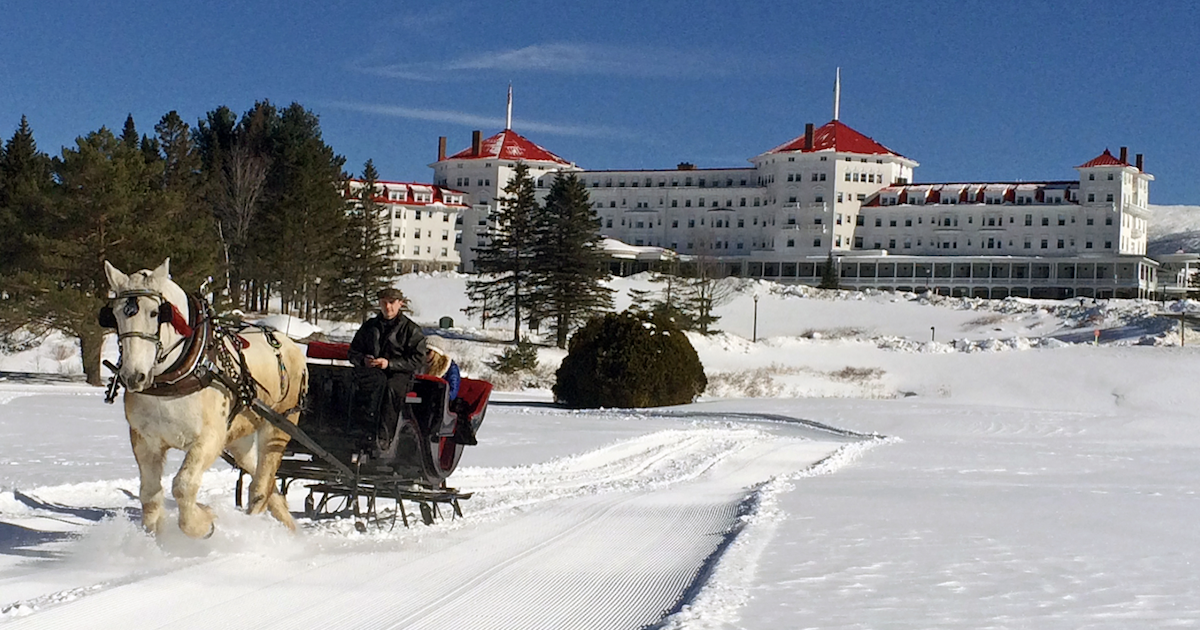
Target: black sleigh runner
359 454
358 458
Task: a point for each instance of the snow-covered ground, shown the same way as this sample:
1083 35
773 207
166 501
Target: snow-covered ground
872 461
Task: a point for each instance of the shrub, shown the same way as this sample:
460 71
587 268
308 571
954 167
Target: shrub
629 360
522 357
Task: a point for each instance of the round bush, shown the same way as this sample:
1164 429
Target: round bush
629 360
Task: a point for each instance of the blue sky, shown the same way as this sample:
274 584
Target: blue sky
974 91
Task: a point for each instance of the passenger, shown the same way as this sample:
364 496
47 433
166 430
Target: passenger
442 366
391 343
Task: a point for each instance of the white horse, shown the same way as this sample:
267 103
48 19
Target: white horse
157 331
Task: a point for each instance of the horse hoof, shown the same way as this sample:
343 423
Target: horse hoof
212 529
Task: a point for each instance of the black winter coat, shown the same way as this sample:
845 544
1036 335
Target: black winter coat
398 340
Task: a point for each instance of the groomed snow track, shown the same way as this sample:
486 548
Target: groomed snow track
623 536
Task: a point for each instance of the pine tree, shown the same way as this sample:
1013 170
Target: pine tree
503 260
109 205
303 207
829 274
364 267
25 185
568 263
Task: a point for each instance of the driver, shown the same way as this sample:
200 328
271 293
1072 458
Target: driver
392 343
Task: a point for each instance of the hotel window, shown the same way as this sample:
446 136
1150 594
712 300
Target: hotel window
891 243
675 223
1088 245
1108 197
1061 220
1060 243
741 223
691 223
1107 244
817 242
819 199
608 223
1091 197
791 242
858 242
1107 220
1029 219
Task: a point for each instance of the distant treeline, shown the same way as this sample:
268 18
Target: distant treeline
254 202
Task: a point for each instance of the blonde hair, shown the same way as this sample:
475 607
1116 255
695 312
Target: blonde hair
438 362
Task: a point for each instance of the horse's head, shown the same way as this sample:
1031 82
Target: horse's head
142 309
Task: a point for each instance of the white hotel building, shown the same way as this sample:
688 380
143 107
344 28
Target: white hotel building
834 191
419 221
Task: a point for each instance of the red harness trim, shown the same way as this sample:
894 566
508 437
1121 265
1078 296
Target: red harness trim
178 321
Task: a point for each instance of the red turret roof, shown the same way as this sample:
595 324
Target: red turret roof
835 136
509 145
1104 159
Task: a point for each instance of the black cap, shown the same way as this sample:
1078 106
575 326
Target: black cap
390 294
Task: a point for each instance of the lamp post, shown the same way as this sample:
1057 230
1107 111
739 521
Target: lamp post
755 318
317 299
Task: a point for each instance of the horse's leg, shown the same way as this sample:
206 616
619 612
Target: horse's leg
263 497
195 519
150 456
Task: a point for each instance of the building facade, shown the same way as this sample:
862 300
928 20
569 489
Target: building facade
419 221
836 193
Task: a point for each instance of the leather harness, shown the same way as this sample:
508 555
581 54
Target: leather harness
206 355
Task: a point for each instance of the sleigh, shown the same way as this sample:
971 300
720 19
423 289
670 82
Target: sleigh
360 459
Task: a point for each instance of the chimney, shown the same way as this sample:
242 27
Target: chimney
1139 162
685 166
476 141
1124 155
441 148
808 136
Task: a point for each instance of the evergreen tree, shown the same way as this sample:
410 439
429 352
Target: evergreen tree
106 207
364 267
235 158
129 134
303 207
568 263
829 274
503 259
26 183
629 360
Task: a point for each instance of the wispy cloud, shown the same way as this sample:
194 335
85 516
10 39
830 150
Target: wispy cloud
481 122
566 58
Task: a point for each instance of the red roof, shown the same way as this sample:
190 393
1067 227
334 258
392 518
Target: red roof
438 193
1104 159
509 145
836 136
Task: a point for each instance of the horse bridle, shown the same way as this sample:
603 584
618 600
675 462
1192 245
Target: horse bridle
108 319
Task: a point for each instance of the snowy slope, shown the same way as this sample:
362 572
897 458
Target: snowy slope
1005 475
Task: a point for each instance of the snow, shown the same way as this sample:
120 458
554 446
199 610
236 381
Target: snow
872 460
